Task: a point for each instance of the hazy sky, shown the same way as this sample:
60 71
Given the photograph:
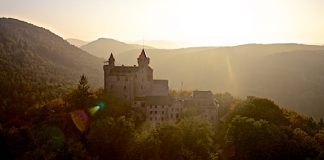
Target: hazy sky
200 22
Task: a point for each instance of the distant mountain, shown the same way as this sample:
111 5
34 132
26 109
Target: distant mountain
76 42
102 47
164 44
290 74
36 64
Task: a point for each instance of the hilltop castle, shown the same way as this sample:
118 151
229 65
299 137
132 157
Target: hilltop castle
135 86
132 82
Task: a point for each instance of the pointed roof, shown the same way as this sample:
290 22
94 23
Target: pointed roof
142 55
111 57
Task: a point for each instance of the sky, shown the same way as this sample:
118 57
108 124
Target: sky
198 22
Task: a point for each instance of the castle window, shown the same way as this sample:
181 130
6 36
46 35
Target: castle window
126 78
177 115
162 119
151 112
155 112
125 87
162 112
171 115
162 106
151 119
111 86
151 106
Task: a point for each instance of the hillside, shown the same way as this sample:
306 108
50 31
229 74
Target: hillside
102 47
76 42
290 74
36 65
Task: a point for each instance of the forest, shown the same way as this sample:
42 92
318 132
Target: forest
251 128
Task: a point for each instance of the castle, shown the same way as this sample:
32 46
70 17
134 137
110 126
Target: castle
133 82
136 87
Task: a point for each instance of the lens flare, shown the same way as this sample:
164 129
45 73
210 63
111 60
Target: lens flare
94 109
80 119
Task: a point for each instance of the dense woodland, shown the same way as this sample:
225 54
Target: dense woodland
41 89
253 128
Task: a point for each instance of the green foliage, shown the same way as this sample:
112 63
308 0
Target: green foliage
47 142
260 108
190 138
37 66
110 137
80 98
197 137
259 129
255 139
226 102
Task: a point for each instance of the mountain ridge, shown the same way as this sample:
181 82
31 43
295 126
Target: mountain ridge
36 64
102 47
76 42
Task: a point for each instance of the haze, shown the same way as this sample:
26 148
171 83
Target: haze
203 22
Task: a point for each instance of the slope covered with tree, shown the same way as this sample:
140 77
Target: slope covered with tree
36 65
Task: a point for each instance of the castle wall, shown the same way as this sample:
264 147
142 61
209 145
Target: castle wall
160 88
143 82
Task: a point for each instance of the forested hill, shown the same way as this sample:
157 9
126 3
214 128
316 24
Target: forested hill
36 64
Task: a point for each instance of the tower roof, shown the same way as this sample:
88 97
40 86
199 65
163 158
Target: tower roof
111 57
142 55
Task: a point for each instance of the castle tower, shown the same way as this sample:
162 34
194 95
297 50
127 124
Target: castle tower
107 67
111 60
142 60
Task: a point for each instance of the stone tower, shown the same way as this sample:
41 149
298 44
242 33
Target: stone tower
107 67
111 60
142 60
144 76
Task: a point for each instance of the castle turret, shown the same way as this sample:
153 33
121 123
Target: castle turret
142 60
111 60
107 67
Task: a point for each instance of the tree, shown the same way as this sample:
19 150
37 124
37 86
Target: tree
255 139
80 98
260 108
197 138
